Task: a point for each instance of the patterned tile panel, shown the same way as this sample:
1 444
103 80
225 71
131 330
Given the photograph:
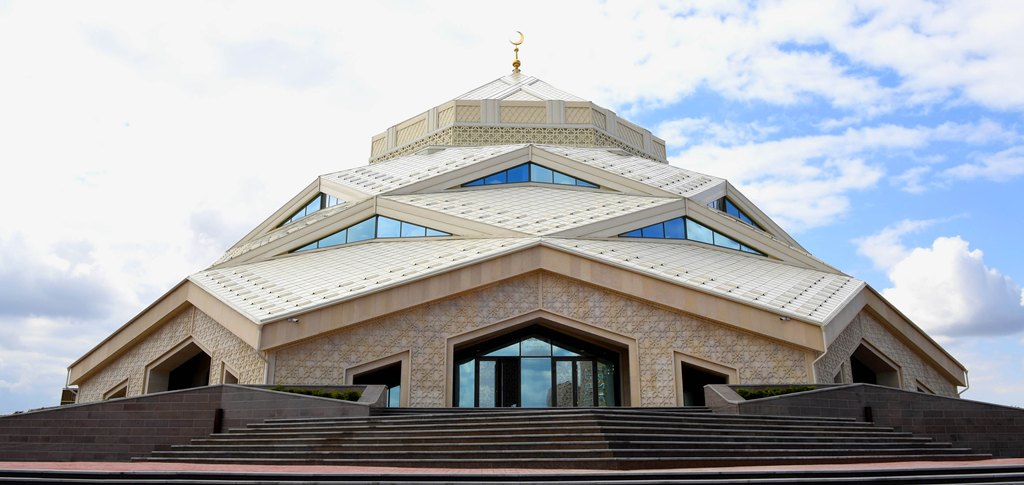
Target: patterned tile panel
225 346
533 210
424 331
866 327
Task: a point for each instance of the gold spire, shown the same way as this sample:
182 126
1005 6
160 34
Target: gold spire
517 43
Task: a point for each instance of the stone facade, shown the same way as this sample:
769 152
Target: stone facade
226 349
424 332
866 327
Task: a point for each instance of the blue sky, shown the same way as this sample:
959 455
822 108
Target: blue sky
140 140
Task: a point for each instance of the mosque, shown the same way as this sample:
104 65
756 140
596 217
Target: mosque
517 246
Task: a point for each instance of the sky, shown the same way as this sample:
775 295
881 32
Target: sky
139 140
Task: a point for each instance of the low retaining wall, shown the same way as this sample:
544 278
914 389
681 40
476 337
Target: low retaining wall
984 427
119 429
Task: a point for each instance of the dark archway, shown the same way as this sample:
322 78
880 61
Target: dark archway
694 380
389 375
186 368
868 366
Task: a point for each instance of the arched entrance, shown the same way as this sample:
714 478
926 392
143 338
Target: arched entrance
869 366
536 367
186 366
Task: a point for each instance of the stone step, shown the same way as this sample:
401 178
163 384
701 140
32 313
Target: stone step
596 463
608 417
455 425
937 475
553 428
497 455
456 445
558 438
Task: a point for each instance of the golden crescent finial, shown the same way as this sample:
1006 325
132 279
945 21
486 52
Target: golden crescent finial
517 43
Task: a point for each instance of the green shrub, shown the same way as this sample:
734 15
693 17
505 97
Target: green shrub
771 391
342 395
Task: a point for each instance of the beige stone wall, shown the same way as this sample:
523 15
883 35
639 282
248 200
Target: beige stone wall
866 327
424 332
224 345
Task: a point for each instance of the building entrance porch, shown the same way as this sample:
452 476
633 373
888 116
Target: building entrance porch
536 367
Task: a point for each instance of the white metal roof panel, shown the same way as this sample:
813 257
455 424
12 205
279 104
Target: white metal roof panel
280 232
531 209
270 290
389 175
661 175
789 290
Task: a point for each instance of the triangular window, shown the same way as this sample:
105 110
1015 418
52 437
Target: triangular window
530 172
376 227
321 201
727 206
686 228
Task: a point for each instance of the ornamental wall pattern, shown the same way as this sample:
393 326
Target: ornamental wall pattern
225 347
463 135
866 327
424 332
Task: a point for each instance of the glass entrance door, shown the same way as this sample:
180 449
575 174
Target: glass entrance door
498 385
535 370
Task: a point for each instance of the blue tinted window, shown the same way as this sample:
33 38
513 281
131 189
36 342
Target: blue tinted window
498 178
374 227
362 231
727 206
519 174
696 231
563 179
655 230
321 201
388 227
726 242
412 230
529 172
684 228
541 174
334 239
509 351
731 209
675 228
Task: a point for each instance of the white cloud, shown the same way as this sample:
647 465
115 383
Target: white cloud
1000 166
885 249
912 179
946 288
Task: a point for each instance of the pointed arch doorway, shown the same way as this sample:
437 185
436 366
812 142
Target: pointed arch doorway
536 366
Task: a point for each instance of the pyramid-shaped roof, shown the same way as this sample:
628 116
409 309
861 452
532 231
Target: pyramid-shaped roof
412 213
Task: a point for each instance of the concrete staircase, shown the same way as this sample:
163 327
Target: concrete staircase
591 438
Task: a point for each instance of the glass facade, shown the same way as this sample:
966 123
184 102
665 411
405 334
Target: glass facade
686 228
535 370
320 202
376 227
727 206
529 172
